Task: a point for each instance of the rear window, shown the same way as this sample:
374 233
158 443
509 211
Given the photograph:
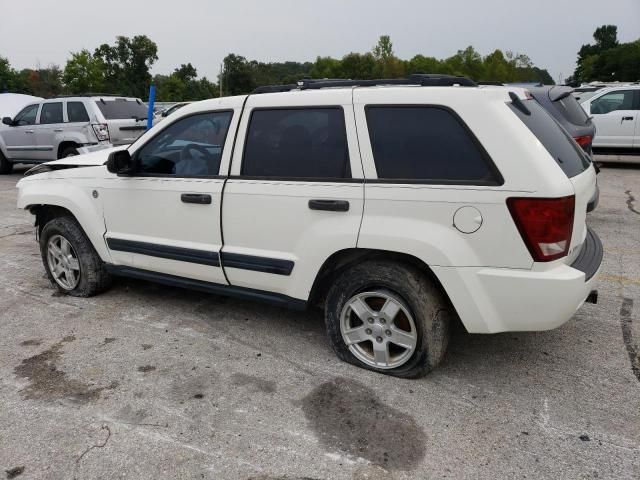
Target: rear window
427 144
572 110
566 152
119 109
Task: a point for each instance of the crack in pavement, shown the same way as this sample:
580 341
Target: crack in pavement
627 336
97 445
631 202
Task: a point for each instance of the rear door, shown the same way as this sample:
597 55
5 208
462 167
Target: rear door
615 115
126 118
50 126
295 193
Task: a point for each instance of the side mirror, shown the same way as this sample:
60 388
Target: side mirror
120 162
7 121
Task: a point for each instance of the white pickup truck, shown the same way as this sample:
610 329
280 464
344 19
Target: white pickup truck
395 205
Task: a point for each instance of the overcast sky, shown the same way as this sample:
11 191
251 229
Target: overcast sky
203 31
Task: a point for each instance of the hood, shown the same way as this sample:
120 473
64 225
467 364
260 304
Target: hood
12 103
93 159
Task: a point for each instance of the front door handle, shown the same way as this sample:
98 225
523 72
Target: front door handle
626 118
200 198
329 205
28 131
57 130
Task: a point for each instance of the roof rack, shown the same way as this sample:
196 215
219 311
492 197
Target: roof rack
419 79
91 94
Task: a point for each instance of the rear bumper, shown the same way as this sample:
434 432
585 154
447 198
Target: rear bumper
492 300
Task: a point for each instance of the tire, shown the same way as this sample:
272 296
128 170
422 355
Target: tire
421 323
84 274
69 152
6 166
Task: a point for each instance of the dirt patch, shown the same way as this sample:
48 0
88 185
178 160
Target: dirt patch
14 472
146 368
146 346
243 380
347 416
47 382
30 343
109 340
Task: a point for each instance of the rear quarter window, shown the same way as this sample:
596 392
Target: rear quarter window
565 151
120 109
427 144
572 110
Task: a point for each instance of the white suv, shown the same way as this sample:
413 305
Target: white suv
66 126
395 207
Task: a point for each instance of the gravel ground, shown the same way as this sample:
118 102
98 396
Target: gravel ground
149 382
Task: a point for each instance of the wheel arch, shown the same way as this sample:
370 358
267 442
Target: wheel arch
66 144
343 259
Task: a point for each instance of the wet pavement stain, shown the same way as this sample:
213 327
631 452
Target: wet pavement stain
14 472
243 380
109 340
347 416
146 346
47 382
30 343
146 368
627 336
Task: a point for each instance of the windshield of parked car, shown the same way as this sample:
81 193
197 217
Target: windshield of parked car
565 151
121 108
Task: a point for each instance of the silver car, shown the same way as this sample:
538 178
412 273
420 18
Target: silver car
66 126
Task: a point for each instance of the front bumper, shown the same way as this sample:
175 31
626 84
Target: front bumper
492 300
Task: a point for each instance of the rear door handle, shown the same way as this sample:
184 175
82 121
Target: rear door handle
28 131
200 198
58 130
626 118
329 205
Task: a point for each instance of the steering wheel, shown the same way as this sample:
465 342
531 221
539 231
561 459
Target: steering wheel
184 153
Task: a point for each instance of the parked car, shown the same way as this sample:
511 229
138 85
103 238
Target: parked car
162 114
65 126
615 112
558 101
475 208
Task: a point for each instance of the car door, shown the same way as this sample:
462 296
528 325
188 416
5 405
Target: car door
165 217
295 194
615 116
19 138
636 138
49 126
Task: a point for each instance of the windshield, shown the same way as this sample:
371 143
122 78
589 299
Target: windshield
121 108
566 152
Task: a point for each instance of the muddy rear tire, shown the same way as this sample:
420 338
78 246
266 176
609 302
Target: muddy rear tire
388 317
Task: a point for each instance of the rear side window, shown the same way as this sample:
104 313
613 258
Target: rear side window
572 110
119 109
51 113
566 152
76 112
428 144
297 143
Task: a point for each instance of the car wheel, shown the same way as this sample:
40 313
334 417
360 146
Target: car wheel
72 264
388 317
6 166
69 152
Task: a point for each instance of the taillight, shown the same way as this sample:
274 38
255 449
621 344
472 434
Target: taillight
545 225
101 130
584 141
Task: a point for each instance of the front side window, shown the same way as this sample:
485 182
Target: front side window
76 112
612 101
27 116
427 144
51 113
191 146
297 143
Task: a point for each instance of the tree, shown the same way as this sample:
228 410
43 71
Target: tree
237 75
606 37
127 64
84 73
388 65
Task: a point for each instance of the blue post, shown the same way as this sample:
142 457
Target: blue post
152 100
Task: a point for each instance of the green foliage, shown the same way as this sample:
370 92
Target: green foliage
608 60
183 84
84 73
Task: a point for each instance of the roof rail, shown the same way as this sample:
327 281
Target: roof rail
419 79
91 94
